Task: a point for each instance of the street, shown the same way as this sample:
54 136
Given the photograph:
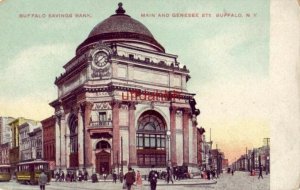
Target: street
240 180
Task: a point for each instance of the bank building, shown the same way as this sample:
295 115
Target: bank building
123 101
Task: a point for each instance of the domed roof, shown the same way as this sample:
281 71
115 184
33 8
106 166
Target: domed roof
121 27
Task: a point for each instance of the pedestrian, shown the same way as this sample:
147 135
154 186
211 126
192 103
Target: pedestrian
62 176
43 179
86 175
129 178
80 177
57 176
213 174
152 178
208 174
68 176
260 173
169 175
121 176
232 171
139 181
104 173
94 178
114 175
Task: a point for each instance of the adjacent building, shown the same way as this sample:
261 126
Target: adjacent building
48 125
255 158
123 101
5 139
5 130
30 137
36 141
14 150
4 154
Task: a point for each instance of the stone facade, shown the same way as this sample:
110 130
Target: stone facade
123 101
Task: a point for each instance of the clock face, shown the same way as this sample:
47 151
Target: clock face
100 59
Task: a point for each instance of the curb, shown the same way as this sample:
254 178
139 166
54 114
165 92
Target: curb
184 184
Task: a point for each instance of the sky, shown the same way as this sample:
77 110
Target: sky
228 58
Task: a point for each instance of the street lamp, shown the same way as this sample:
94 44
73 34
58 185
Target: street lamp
168 141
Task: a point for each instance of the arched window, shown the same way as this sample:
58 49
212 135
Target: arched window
151 139
102 145
73 125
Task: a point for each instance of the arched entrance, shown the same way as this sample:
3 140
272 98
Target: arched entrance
103 157
151 139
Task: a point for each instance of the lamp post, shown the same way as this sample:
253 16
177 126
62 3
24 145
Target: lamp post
122 154
168 143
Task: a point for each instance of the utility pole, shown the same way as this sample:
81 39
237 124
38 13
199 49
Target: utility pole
267 155
246 160
121 154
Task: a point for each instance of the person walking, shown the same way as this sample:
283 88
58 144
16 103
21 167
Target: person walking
152 178
43 179
114 175
260 173
139 181
232 172
169 175
121 176
129 178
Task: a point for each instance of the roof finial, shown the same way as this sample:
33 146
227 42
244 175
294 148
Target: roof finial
120 10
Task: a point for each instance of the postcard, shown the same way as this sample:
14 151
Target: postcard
149 94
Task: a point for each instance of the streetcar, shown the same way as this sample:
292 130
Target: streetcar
5 174
29 172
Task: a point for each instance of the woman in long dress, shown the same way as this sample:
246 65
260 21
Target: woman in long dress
139 181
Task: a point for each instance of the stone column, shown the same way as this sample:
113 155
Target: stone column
195 147
88 149
132 135
80 138
185 126
66 142
173 135
58 140
116 131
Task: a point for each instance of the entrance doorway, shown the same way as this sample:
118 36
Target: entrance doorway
103 162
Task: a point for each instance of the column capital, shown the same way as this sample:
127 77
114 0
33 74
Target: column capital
60 111
115 103
131 105
186 110
86 105
173 109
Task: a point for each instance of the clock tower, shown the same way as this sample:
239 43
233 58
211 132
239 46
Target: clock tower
123 101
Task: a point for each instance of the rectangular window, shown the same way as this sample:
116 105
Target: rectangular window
131 56
152 141
102 118
141 159
147 159
147 141
153 160
163 142
140 141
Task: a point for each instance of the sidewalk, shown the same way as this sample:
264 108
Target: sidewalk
184 182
